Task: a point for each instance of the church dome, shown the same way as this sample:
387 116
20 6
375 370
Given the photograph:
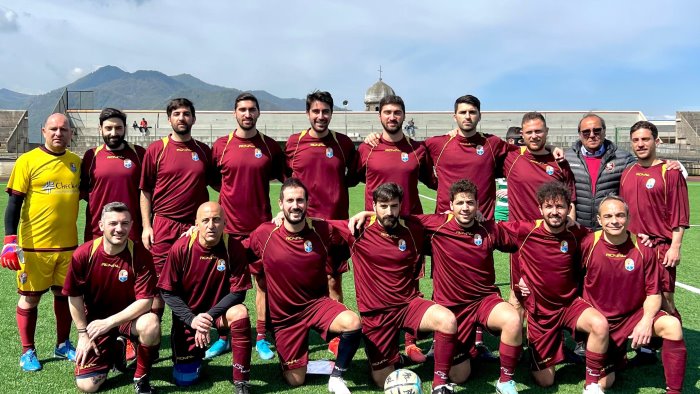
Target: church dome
376 92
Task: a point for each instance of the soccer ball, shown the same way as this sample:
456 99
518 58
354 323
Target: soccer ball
402 381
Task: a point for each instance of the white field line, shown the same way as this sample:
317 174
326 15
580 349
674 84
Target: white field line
427 198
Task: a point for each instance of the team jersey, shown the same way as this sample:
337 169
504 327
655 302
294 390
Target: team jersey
295 265
477 158
247 165
109 284
202 276
176 174
466 254
107 176
49 183
327 167
385 263
525 173
657 199
404 162
618 277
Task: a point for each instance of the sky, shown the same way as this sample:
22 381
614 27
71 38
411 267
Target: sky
513 55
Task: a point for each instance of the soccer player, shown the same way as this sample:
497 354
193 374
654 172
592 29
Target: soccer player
513 137
110 284
550 266
386 256
40 218
204 282
614 260
176 172
296 258
247 161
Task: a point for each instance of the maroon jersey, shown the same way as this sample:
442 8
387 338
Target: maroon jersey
107 176
404 163
202 276
327 167
464 253
618 277
247 165
109 284
476 158
549 263
525 173
657 199
385 263
295 265
176 174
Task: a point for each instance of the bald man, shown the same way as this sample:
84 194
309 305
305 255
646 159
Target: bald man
204 281
40 218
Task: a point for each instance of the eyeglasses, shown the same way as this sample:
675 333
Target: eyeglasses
596 132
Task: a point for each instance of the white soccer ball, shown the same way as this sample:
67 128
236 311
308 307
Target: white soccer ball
402 381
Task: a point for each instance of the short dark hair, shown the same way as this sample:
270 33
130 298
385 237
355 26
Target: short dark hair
614 197
643 124
387 192
468 99
321 96
392 99
591 115
513 132
293 182
178 103
116 206
109 113
534 115
246 96
553 190
463 186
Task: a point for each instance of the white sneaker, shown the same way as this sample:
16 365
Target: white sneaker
593 388
337 385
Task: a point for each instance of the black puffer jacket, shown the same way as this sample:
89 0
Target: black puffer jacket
614 162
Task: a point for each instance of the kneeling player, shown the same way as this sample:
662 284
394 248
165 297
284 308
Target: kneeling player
613 260
110 285
204 282
296 257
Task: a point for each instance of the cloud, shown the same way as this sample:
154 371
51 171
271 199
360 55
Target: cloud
76 73
8 21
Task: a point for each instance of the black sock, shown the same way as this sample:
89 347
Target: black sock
349 342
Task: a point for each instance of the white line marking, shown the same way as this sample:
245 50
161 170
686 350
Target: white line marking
687 287
427 198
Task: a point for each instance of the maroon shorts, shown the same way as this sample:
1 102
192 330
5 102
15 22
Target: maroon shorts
107 345
381 330
185 350
165 233
545 333
620 330
666 274
292 340
468 316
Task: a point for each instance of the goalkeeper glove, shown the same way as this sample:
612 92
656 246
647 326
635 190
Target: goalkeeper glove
12 255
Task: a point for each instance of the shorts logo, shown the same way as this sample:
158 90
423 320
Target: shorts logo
73 167
329 152
650 183
221 265
195 157
479 150
402 245
128 163
308 246
564 247
629 265
610 167
258 153
123 276
478 240
23 278
550 170
404 157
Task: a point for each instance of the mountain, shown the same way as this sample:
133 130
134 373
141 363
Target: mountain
143 89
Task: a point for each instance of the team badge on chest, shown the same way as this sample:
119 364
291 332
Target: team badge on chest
549 170
73 167
195 156
478 240
123 275
402 245
564 247
610 167
308 246
629 265
221 265
128 163
258 153
404 157
23 278
329 152
479 150
650 183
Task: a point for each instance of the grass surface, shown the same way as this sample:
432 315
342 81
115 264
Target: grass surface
57 376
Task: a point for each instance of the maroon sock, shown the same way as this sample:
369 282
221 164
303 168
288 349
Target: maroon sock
260 329
145 356
479 337
26 325
674 356
159 312
241 349
677 315
63 318
444 351
595 362
509 360
409 340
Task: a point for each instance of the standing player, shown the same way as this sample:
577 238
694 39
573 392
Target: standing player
111 283
513 137
204 282
296 258
176 171
613 260
386 257
43 206
247 161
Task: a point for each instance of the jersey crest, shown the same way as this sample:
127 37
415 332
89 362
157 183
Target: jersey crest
404 157
402 245
479 150
195 156
123 276
308 246
629 265
478 240
221 265
329 152
73 167
564 247
128 163
650 183
258 153
550 170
